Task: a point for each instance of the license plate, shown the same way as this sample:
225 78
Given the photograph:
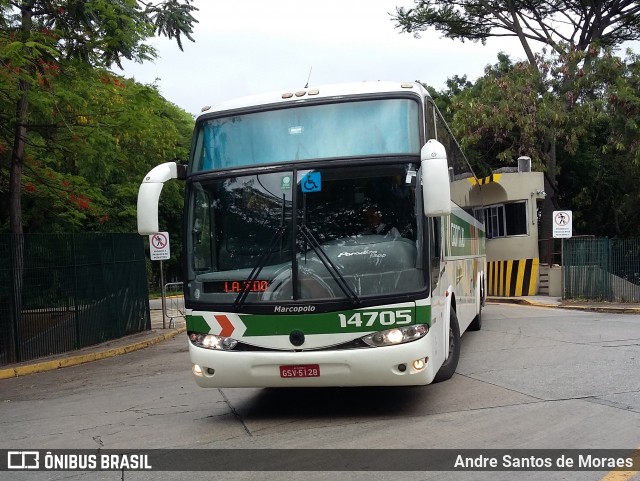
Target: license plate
307 370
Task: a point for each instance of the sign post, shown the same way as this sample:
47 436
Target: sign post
159 250
562 229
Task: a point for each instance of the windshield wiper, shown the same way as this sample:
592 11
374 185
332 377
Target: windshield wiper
331 267
315 246
255 272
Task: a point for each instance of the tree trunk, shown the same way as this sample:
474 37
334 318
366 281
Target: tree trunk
15 183
17 159
20 131
15 214
521 36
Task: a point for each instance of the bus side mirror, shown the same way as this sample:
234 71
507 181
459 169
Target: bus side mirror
436 189
149 195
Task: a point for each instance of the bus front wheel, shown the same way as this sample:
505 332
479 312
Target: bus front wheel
450 364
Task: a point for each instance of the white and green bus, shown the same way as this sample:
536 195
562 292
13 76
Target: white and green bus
321 245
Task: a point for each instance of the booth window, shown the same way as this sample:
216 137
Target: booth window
504 220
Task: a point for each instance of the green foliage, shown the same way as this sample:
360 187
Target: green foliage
442 99
548 107
601 188
504 115
172 19
587 104
52 54
599 178
561 25
102 32
92 138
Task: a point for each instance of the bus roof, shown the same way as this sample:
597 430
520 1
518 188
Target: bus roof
323 91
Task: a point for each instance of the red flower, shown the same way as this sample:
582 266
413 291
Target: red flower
81 201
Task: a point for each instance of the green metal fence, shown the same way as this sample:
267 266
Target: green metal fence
601 269
60 292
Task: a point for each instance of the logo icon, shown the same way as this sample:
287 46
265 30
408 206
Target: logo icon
286 182
23 460
311 182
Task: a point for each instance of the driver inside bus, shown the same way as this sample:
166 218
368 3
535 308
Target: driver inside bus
375 225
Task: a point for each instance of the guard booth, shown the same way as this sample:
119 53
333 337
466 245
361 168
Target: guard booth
508 202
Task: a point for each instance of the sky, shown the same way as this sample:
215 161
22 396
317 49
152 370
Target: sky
256 46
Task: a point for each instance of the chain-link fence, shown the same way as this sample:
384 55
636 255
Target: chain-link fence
60 292
601 269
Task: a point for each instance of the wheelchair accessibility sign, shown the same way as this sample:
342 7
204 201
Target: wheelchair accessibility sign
311 182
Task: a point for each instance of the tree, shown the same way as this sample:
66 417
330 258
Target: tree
596 126
566 26
90 148
563 25
503 115
41 34
93 137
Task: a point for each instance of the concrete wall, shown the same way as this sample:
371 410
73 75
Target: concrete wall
516 247
553 280
502 188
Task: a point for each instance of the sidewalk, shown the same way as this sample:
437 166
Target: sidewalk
107 349
157 334
547 301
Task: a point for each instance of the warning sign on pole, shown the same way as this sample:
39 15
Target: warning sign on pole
562 224
159 246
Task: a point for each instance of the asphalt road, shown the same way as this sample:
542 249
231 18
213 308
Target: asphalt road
532 378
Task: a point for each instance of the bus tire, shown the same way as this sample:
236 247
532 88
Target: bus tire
450 364
476 324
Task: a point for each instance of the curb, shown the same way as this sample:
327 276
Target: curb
608 309
84 358
603 308
520 301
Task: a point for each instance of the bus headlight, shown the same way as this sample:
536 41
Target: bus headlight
209 341
397 335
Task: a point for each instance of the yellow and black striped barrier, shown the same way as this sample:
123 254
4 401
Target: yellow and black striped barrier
486 180
511 278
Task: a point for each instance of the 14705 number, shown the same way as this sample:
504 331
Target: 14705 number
369 318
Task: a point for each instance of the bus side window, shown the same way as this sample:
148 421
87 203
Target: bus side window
430 120
435 245
201 232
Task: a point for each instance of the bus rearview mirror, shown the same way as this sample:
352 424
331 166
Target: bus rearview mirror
149 195
436 187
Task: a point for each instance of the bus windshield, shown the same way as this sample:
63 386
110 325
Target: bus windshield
320 131
330 233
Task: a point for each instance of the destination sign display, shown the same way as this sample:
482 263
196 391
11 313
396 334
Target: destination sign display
229 287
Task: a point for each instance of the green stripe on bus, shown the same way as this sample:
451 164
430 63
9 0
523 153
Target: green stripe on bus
464 239
361 320
197 324
365 320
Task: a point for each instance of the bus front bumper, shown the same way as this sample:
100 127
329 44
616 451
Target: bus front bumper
406 364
